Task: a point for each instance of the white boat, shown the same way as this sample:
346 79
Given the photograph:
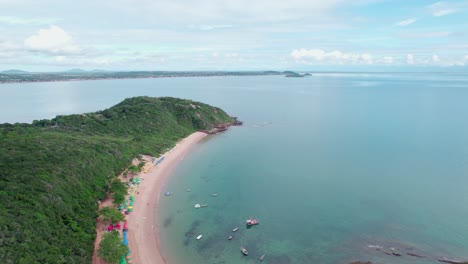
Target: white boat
244 251
214 194
197 206
199 237
235 229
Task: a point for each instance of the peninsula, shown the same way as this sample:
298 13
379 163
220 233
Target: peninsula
54 173
17 76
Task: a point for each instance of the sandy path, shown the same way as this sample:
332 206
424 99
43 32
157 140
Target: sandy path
142 230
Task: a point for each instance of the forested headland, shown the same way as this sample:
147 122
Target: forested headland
53 173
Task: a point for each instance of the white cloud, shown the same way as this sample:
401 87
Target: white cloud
209 27
53 40
410 59
442 9
406 22
26 21
419 35
226 11
333 57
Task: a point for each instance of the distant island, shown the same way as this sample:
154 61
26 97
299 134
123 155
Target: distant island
16 76
54 173
295 74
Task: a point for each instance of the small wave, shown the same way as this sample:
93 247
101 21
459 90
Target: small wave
374 246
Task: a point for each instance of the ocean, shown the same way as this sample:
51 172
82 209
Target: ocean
335 166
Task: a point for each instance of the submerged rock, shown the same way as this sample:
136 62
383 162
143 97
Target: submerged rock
414 255
451 261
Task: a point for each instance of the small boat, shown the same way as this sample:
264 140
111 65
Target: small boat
230 237
214 194
197 206
189 190
168 193
251 222
262 257
235 229
244 251
199 237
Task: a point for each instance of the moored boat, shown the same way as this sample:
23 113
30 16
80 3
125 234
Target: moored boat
199 237
262 257
244 251
230 237
235 229
251 222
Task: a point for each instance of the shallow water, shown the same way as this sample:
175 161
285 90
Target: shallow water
329 164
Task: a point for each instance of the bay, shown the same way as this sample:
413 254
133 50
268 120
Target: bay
330 164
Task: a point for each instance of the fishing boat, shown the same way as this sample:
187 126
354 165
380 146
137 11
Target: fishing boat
251 222
199 237
235 229
244 251
262 257
214 194
168 193
230 237
197 206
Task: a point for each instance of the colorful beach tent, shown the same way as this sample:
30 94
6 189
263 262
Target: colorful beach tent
125 240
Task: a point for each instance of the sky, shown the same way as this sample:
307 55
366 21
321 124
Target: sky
315 35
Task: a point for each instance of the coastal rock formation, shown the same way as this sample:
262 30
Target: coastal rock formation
223 127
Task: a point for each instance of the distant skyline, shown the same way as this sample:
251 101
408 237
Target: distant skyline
308 35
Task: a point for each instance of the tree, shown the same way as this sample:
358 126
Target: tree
111 247
119 191
133 169
109 213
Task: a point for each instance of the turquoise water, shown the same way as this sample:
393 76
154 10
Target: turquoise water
329 164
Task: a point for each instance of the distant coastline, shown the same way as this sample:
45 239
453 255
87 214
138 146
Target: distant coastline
16 76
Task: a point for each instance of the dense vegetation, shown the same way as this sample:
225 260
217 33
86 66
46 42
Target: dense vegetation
54 172
111 248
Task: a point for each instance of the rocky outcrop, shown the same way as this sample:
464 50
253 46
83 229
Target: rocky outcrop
223 127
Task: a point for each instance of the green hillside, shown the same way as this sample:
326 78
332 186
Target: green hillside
54 172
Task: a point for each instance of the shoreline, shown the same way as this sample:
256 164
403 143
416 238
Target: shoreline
143 233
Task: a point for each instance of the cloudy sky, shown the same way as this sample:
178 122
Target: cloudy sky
50 35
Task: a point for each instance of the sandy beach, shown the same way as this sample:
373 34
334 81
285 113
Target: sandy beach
143 233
